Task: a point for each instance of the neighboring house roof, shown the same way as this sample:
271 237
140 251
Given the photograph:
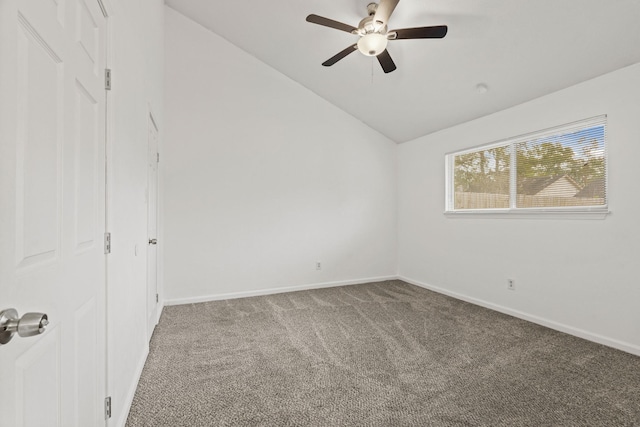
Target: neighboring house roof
534 185
553 186
593 189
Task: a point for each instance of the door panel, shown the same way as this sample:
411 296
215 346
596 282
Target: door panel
86 145
52 194
38 380
39 145
86 323
87 33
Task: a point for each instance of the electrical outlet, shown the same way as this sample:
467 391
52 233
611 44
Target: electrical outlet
511 284
318 265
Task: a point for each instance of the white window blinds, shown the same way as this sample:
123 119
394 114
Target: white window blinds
559 168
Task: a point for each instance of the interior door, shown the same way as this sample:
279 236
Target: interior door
152 228
52 210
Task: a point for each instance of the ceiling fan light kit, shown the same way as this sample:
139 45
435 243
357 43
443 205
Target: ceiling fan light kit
374 36
372 44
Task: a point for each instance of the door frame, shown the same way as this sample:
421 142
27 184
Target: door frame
108 10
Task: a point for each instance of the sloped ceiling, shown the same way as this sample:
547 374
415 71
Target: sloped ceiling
518 49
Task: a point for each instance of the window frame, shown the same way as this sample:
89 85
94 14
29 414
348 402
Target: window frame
558 212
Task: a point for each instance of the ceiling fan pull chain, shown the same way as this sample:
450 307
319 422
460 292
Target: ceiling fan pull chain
372 70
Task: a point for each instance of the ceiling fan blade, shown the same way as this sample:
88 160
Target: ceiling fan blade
384 11
386 62
329 62
315 19
436 32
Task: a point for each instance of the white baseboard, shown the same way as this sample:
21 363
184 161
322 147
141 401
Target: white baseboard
580 333
244 294
122 420
159 311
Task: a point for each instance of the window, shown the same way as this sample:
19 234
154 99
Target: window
558 170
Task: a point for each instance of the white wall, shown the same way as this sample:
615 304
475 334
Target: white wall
263 178
136 58
578 276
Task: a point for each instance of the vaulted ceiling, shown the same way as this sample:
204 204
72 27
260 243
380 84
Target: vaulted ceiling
515 49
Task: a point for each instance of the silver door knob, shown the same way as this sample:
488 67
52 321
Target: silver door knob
153 241
29 325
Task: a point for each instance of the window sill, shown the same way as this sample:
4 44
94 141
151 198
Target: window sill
530 214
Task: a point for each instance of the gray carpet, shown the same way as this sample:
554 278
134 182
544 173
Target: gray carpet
379 354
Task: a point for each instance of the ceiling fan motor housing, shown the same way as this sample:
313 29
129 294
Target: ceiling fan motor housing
368 25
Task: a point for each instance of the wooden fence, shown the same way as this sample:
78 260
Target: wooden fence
501 201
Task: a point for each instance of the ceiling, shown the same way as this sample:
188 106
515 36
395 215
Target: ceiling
518 49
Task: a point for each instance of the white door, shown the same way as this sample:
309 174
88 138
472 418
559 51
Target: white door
152 228
52 210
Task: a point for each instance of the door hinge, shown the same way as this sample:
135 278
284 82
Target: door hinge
157 299
107 408
107 243
157 157
107 79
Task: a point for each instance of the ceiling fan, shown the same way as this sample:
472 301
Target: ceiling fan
374 35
